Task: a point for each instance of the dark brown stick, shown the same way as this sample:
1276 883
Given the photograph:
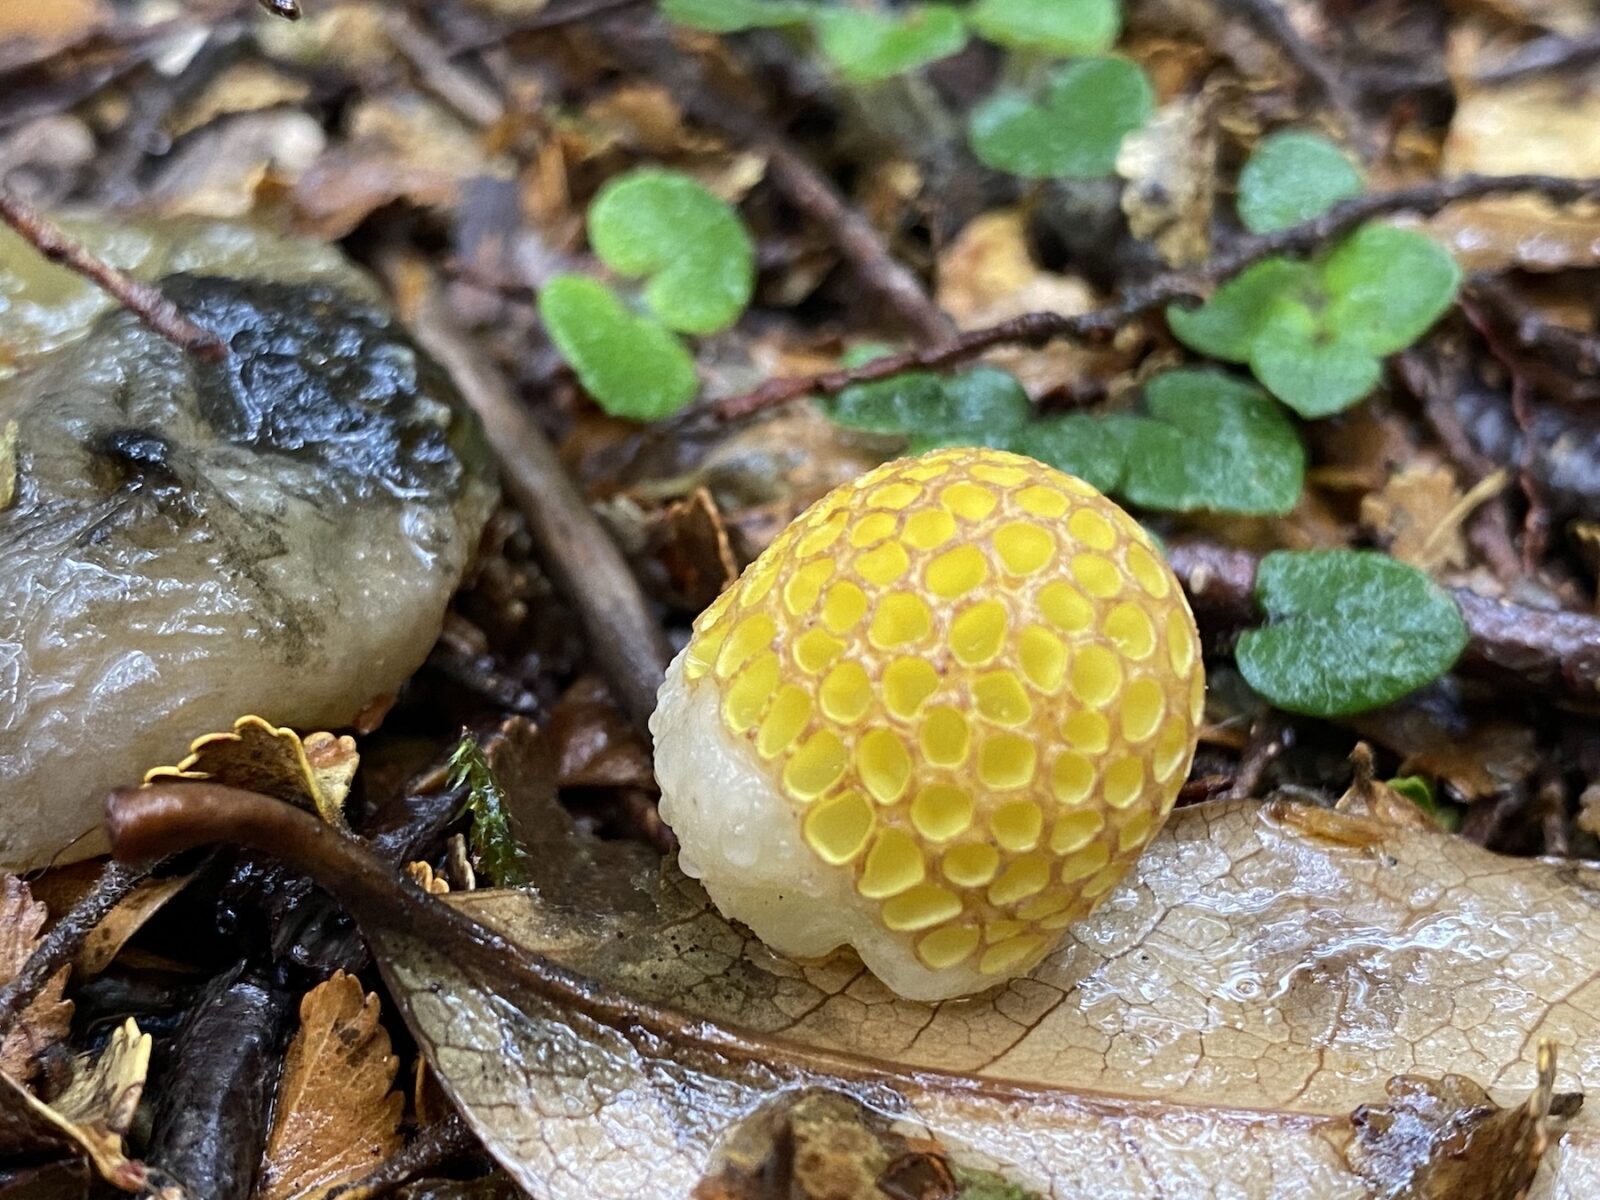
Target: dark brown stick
437 1146
141 299
1534 648
1272 22
61 945
1036 329
574 547
792 174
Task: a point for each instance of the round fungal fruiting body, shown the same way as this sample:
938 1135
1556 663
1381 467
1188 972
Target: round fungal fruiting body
937 720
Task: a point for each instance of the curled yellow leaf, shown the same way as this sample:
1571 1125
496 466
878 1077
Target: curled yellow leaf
314 772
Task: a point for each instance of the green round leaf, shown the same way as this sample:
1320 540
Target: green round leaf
932 409
867 45
1075 443
1065 27
1293 177
1386 287
1211 443
730 16
691 245
1074 131
1225 327
631 365
1347 631
1316 378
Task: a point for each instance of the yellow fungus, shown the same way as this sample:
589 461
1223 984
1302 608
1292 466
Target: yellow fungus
846 693
956 572
907 682
941 811
838 828
971 865
973 688
900 619
883 765
893 864
1001 698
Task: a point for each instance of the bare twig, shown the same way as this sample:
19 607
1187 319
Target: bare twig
67 936
1272 21
792 174
1551 53
439 1145
576 550
1534 648
144 301
1038 328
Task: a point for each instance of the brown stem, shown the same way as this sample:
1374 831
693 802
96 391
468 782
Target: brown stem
584 562
791 173
437 1146
1533 648
1039 328
144 301
66 937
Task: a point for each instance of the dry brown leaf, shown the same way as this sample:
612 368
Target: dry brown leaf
336 1117
314 772
244 87
46 1019
1171 168
1541 124
1417 516
987 275
1219 1027
8 464
93 1112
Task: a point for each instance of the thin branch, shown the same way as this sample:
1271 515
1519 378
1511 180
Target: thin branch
1550 53
436 1146
144 301
574 547
1536 649
1272 21
1039 328
684 76
67 936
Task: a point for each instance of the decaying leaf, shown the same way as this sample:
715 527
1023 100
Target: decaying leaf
1212 1030
336 1117
1170 166
91 1115
46 1019
313 772
825 1146
1417 516
8 464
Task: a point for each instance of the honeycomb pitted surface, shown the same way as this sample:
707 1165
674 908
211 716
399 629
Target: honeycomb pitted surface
977 685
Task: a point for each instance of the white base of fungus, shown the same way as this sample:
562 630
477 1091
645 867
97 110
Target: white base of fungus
740 837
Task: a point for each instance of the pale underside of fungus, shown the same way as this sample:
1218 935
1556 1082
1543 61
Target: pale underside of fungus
277 533
935 721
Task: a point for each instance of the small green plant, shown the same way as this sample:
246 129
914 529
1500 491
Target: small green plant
1205 441
1314 333
1072 130
1060 27
867 46
698 266
1347 631
493 844
1292 177
1070 127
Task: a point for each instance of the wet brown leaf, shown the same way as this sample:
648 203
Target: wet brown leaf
597 747
336 1117
45 1021
314 772
1214 1026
